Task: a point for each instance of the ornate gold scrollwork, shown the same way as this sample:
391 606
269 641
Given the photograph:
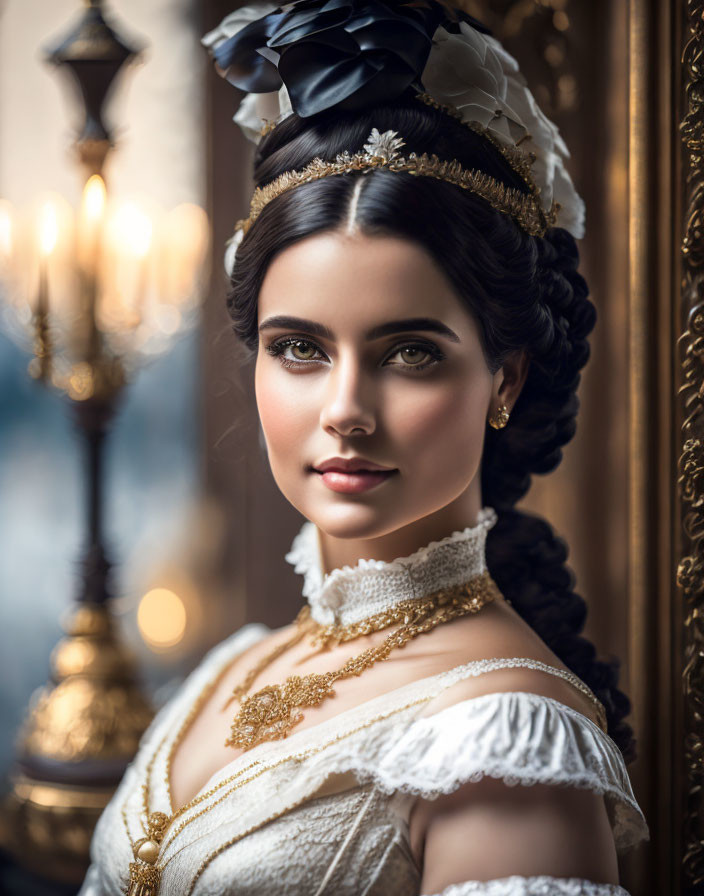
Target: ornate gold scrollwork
690 572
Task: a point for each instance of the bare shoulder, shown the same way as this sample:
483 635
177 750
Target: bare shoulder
498 632
561 832
558 831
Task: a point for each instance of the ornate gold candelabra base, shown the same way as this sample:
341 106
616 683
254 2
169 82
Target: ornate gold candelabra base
55 822
81 731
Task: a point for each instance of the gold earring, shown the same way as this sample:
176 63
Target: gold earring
501 418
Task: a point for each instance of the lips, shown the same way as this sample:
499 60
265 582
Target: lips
352 476
349 465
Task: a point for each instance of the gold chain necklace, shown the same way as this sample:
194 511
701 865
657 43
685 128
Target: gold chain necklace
273 711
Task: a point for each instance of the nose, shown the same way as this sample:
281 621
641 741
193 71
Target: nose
348 408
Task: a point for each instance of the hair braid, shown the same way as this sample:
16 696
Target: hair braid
525 556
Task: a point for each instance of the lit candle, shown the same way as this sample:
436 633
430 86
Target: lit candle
91 222
139 243
128 246
48 235
90 229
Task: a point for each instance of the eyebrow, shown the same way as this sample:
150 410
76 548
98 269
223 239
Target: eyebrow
428 324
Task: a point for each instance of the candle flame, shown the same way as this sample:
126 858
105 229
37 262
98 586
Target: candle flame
140 240
94 198
48 229
132 229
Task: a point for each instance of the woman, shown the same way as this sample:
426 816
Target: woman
403 283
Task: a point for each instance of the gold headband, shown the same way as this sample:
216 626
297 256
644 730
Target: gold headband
382 151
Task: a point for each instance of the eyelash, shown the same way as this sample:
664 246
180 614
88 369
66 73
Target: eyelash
277 348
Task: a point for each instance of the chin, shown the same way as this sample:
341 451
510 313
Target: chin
353 521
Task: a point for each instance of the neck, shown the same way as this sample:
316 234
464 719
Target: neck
336 552
351 593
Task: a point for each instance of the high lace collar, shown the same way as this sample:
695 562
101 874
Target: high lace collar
352 593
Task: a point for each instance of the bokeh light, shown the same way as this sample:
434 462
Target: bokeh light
161 618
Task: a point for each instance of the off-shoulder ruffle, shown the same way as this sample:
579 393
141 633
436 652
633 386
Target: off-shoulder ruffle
519 737
541 885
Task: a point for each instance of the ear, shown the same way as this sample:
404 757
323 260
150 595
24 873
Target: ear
509 380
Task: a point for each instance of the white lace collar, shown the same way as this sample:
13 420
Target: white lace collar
352 593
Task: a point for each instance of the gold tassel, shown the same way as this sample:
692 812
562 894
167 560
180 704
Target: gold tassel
144 880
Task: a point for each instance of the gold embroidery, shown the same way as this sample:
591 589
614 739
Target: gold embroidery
272 712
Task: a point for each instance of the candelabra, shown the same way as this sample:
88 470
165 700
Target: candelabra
111 285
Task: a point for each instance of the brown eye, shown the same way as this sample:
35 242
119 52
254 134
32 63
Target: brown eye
303 351
413 355
297 353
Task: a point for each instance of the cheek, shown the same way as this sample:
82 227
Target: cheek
443 426
284 412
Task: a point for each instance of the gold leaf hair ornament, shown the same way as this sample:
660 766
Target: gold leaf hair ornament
382 150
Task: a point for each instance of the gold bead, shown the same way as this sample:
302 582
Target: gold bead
148 852
157 823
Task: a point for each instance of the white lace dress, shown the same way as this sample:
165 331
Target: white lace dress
326 810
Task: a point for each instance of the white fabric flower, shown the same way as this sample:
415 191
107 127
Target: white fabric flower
464 71
475 74
232 245
257 109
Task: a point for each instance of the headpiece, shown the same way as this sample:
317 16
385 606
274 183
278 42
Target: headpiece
311 56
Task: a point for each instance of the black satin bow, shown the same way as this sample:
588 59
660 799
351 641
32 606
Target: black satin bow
341 53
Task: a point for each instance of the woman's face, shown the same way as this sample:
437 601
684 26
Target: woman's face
367 356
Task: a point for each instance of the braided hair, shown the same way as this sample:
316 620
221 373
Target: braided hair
524 292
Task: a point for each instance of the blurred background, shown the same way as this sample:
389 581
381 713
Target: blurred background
193 523
153 453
